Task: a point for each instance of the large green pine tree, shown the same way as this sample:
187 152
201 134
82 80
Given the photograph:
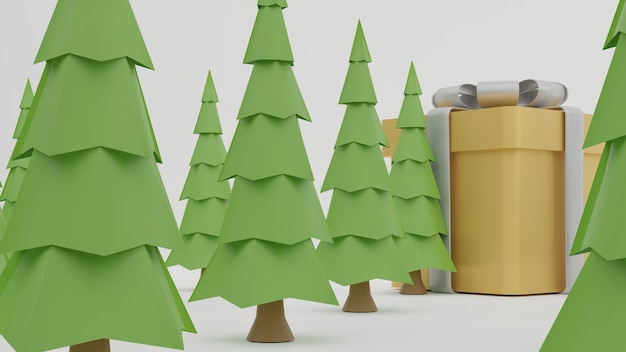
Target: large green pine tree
594 314
266 253
206 196
362 217
17 169
415 193
92 208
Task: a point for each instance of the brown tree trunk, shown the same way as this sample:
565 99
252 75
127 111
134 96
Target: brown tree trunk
360 299
270 324
101 345
418 286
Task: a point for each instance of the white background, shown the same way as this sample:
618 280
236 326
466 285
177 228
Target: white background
450 41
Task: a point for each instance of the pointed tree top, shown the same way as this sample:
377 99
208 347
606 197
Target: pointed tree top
412 84
27 97
360 52
269 40
209 95
99 30
618 26
27 100
281 3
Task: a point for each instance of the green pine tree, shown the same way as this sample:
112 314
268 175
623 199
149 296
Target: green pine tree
362 217
594 313
17 168
206 196
92 208
415 193
266 253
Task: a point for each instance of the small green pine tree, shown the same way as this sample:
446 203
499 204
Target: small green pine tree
206 196
362 217
415 193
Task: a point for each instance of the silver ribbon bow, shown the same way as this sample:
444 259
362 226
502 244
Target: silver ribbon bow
530 92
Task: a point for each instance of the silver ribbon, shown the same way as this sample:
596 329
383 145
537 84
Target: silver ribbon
531 92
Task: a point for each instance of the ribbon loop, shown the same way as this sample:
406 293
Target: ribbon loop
530 92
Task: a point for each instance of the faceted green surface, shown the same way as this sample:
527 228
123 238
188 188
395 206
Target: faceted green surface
269 39
27 100
369 214
279 209
261 272
208 120
22 162
266 253
58 297
203 216
7 210
594 314
27 96
412 84
410 179
414 188
361 217
198 249
100 30
419 252
98 201
82 104
351 260
411 113
361 124
355 167
413 145
209 95
207 197
265 146
358 86
4 257
608 119
603 219
209 150
360 52
202 183
13 184
618 26
421 216
272 90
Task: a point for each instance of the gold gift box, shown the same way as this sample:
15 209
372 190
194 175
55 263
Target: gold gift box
507 198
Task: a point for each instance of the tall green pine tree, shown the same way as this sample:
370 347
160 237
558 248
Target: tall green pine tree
92 208
362 217
266 253
415 193
593 316
206 196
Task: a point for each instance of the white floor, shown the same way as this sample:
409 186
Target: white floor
433 322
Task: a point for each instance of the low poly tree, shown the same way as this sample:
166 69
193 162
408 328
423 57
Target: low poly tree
362 217
594 313
92 208
415 193
266 253
17 168
206 196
